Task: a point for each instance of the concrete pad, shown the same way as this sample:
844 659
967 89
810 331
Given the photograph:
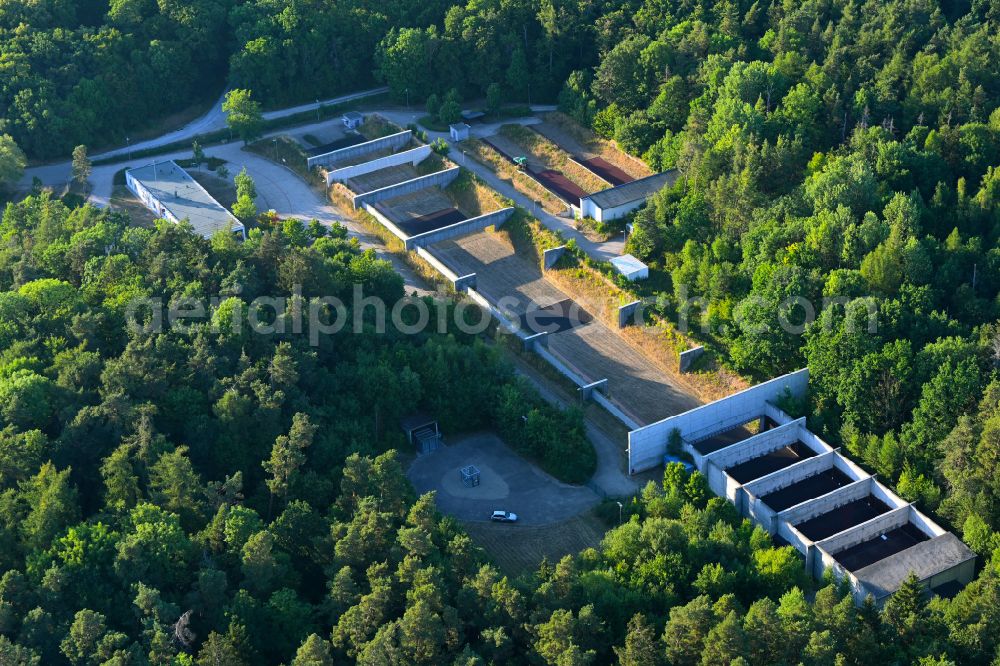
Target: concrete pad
508 482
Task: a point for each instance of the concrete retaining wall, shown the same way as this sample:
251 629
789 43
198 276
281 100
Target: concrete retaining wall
925 524
413 156
792 474
647 445
551 257
627 313
795 538
817 506
471 225
391 142
757 445
439 179
458 282
866 530
385 222
687 358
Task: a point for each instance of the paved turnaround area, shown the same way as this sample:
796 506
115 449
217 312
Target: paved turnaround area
593 350
508 482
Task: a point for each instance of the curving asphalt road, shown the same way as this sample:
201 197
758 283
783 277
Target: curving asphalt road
214 119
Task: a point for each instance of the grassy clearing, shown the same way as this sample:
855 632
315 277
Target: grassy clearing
222 190
541 150
375 127
573 137
490 158
471 196
286 151
519 549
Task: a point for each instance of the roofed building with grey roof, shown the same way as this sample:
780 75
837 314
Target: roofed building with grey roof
172 194
616 202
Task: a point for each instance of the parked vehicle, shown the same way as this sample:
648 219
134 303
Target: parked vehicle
504 517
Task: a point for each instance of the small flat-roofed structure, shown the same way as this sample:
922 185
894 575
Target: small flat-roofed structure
459 131
630 267
422 431
352 119
171 193
617 202
936 562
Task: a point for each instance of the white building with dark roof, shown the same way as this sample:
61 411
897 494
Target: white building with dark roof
172 194
616 202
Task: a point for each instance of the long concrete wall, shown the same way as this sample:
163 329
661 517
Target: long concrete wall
458 282
391 142
386 222
757 445
413 156
465 227
869 529
438 178
834 499
647 445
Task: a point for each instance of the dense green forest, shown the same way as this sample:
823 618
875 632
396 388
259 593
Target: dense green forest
215 496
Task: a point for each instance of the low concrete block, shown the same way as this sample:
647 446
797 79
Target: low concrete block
627 313
687 358
587 390
551 257
533 342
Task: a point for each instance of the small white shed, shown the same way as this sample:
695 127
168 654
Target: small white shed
352 119
459 131
630 267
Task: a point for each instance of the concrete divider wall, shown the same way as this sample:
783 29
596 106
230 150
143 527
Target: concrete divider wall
817 506
795 538
870 529
471 225
386 222
925 524
792 474
849 467
438 178
615 411
776 414
499 316
391 142
758 445
647 445
627 312
413 156
560 366
437 264
883 493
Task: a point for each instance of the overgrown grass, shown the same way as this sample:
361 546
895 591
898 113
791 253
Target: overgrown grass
598 287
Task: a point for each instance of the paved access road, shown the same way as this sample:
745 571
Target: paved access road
213 119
